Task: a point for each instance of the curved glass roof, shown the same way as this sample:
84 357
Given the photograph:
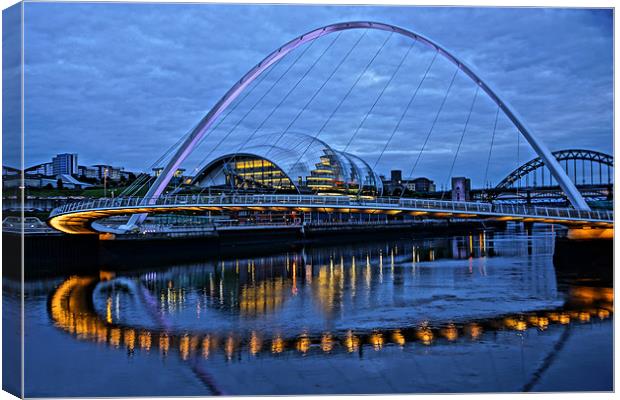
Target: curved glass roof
298 155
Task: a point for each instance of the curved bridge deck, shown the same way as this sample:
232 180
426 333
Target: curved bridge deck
78 217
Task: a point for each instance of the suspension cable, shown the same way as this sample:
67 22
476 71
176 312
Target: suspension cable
308 70
359 126
343 99
290 91
443 102
486 170
404 113
471 109
262 77
283 133
273 85
316 93
129 189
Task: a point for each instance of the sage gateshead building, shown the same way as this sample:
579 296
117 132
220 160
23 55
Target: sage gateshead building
291 163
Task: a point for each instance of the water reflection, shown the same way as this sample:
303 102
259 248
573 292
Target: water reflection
330 300
325 287
71 312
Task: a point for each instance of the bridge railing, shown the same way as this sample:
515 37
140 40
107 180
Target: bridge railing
339 202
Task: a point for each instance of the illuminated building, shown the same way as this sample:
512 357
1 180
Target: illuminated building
305 165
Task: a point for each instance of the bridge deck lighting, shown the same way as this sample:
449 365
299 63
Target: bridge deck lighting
466 215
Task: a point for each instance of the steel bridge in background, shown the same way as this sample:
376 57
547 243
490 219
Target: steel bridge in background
532 183
571 160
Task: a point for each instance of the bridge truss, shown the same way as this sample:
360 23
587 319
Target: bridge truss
592 164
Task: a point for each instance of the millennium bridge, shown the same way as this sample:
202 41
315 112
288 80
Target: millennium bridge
81 217
159 195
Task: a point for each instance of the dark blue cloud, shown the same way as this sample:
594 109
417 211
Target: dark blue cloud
120 83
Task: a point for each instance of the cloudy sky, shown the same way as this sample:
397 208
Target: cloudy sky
121 83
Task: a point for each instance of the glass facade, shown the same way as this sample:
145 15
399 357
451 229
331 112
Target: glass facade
305 165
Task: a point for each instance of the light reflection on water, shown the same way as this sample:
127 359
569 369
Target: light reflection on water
326 303
331 299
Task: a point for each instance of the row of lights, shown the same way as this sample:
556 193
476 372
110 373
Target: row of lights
87 325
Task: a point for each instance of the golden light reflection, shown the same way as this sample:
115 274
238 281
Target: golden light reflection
106 275
145 340
540 322
351 342
294 274
376 339
184 347
398 338
206 345
589 295
72 311
303 343
308 274
602 314
129 336
584 317
229 347
164 343
255 343
425 335
450 332
327 343
277 345
108 310
115 337
562 318
262 298
473 330
515 324
102 334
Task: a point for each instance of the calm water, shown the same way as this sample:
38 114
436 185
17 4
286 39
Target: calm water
480 312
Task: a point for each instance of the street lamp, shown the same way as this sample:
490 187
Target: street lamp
105 182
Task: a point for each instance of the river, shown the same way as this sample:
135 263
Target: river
480 312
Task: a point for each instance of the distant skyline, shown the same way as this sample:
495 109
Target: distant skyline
119 83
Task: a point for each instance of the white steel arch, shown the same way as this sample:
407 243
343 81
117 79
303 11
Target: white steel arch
198 133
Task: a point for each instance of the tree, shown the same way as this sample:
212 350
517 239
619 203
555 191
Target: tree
59 184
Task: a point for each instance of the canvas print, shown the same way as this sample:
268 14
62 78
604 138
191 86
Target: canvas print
251 199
